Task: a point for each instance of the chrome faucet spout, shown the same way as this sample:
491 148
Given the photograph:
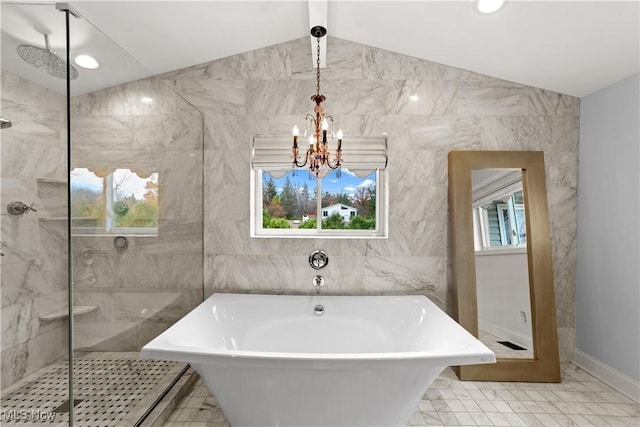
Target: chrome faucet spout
318 282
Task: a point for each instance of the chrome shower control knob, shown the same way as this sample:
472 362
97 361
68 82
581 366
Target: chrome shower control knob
318 310
318 259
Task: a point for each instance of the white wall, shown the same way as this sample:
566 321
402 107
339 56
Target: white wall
502 286
607 288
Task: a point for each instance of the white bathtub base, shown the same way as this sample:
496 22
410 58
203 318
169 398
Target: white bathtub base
371 396
271 361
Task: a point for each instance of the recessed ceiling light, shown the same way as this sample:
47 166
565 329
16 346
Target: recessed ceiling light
414 98
489 6
146 100
86 61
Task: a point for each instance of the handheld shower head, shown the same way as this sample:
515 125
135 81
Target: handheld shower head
46 60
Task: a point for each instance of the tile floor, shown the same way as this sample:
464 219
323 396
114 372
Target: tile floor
111 389
579 401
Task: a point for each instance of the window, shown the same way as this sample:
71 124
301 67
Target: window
117 202
288 203
501 223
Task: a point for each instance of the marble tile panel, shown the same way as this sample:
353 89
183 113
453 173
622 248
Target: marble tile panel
393 126
492 98
279 97
231 132
229 237
344 59
213 170
148 330
31 159
406 275
12 365
109 160
178 203
384 64
417 167
229 68
417 203
562 220
515 133
227 202
561 170
103 132
102 298
183 167
52 198
445 132
236 166
165 271
211 95
168 131
21 281
138 305
17 324
28 357
106 336
377 97
28 95
266 273
269 63
428 238
547 103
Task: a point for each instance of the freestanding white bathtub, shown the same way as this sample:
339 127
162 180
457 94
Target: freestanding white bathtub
281 360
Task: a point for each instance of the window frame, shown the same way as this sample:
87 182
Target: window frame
382 216
109 229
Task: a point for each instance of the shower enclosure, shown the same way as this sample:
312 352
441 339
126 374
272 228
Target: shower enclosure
120 153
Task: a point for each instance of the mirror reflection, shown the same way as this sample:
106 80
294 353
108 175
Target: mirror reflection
502 273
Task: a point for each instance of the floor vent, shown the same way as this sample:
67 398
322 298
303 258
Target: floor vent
511 345
64 408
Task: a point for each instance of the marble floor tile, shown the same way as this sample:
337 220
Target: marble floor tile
450 402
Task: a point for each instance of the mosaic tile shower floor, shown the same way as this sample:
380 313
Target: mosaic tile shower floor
579 401
111 389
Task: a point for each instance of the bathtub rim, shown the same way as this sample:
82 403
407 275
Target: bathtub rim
164 349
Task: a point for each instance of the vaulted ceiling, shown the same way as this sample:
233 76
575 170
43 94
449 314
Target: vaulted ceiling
571 47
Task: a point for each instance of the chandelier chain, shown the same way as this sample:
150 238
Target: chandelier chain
318 68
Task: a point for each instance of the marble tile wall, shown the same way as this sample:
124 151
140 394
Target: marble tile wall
34 264
141 291
267 91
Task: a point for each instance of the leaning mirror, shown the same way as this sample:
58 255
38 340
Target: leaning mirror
501 259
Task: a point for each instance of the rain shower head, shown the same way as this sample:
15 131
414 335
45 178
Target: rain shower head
46 60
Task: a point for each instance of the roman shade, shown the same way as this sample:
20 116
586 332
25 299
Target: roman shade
360 154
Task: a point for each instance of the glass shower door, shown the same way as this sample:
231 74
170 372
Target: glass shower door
130 159
33 208
136 169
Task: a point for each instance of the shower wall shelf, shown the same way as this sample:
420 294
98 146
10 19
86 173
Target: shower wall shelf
63 313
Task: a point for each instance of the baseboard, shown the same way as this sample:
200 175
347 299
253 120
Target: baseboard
610 376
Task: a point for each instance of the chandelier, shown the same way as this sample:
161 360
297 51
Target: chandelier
317 125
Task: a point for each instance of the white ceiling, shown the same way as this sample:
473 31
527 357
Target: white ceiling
571 47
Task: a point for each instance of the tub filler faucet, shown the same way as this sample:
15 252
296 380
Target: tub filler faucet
318 282
318 260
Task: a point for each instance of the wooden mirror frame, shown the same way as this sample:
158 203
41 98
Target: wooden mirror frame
545 365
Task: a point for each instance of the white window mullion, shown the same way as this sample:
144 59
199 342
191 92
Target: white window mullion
108 201
319 204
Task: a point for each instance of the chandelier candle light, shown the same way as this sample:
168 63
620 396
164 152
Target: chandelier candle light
318 154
